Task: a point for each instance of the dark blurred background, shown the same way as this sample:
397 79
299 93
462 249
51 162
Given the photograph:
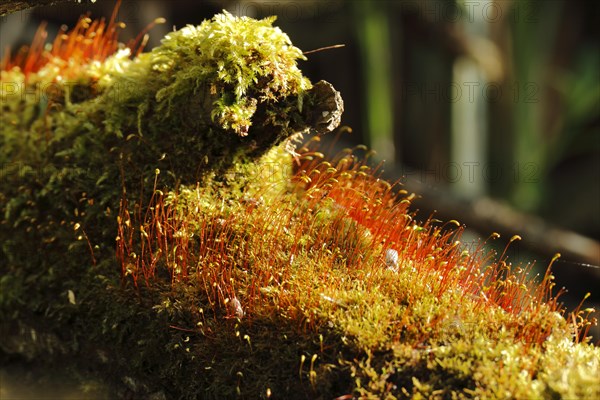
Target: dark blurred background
489 110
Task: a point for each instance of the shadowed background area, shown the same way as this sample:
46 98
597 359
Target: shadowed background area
489 110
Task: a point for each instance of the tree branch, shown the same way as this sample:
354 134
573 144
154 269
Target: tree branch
11 6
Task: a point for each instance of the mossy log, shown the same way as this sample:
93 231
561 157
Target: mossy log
153 233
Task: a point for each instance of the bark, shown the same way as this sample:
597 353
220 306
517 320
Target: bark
11 6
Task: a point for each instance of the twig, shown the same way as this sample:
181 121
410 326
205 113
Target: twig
335 46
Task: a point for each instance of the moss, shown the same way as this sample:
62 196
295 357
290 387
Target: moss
80 137
234 274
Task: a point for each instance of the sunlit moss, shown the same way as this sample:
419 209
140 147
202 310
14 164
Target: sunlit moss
302 260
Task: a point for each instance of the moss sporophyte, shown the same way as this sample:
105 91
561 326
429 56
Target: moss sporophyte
159 227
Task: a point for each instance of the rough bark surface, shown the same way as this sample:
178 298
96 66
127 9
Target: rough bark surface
11 6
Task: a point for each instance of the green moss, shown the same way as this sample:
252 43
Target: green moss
76 140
